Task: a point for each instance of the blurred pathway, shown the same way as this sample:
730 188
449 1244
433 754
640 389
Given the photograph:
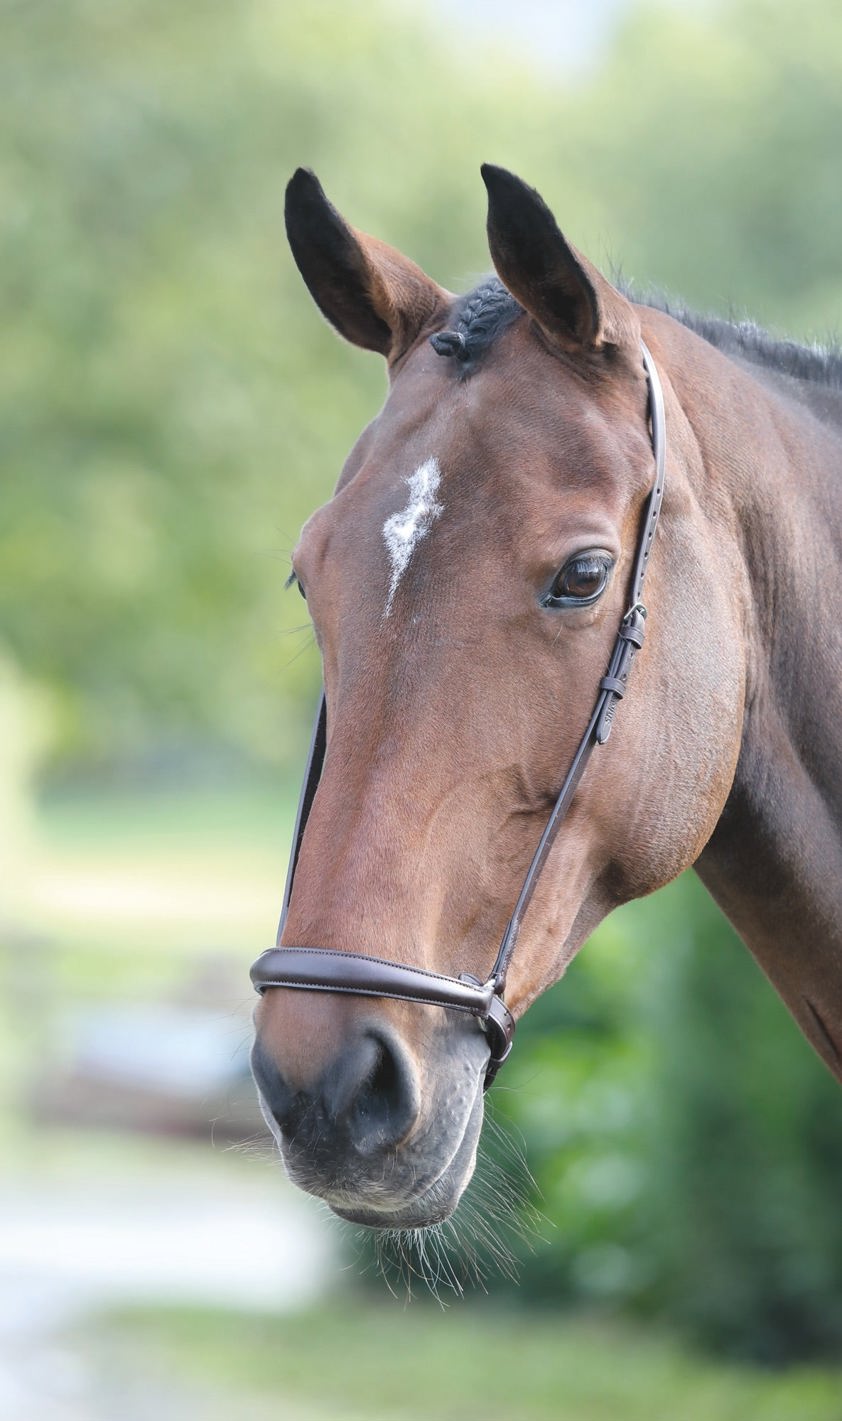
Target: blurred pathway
68 1252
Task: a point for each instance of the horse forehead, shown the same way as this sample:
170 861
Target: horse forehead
442 450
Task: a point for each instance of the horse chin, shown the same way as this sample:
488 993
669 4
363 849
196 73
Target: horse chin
382 1206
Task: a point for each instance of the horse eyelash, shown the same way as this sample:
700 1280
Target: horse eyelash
295 581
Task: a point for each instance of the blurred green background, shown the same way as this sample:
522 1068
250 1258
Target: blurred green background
172 409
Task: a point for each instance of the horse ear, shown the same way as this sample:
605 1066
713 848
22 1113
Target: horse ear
372 294
569 299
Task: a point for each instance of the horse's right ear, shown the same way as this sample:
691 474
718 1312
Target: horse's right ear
372 294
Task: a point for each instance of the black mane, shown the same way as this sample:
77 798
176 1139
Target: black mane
489 309
821 365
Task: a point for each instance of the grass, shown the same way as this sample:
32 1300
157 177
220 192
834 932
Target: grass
408 1364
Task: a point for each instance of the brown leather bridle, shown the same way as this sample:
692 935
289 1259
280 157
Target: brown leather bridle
317 969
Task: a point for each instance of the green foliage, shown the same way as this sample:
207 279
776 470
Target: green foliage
745 1157
172 407
686 1141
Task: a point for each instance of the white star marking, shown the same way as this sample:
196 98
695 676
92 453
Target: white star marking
403 531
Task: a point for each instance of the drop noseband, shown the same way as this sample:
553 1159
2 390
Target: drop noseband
316 969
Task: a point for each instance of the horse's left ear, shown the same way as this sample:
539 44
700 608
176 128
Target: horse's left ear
374 295
569 299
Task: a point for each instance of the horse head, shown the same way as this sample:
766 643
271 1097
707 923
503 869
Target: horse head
466 583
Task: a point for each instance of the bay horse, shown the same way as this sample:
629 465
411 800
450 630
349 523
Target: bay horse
466 584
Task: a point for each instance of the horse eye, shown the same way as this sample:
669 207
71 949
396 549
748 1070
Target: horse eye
582 580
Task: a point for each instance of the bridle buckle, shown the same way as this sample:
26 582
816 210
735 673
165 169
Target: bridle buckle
638 607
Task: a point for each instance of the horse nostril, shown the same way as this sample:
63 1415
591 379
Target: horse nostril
372 1091
367 1100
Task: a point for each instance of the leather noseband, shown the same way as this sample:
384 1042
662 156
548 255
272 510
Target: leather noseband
316 969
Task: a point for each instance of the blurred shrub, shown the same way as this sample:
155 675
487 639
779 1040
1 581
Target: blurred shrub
745 1152
686 1141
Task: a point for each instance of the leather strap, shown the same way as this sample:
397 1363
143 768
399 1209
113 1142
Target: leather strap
312 775
322 970
657 434
319 969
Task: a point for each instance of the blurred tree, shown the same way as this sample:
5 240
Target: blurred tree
172 408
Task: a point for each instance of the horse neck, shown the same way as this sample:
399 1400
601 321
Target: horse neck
774 862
